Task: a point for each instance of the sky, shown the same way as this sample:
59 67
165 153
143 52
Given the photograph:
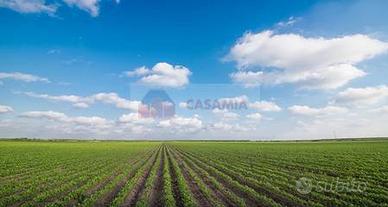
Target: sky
259 70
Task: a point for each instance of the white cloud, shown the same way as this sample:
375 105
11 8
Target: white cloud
225 115
41 6
322 78
330 77
248 78
113 98
162 74
381 109
310 111
5 109
126 126
344 125
183 105
267 106
23 77
218 127
77 101
290 21
182 124
362 96
90 6
255 116
315 63
84 102
173 125
29 6
132 117
141 71
292 51
135 118
81 105
52 115
93 120
61 117
136 124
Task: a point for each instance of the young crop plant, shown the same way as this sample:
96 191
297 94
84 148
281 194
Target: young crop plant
183 189
145 198
168 196
128 191
206 192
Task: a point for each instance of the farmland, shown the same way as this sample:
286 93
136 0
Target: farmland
114 173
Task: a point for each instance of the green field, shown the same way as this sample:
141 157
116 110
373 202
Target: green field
113 173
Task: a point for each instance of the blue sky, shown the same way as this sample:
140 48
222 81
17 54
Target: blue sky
307 69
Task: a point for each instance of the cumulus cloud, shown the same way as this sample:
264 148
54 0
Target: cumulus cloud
267 106
115 99
135 118
248 78
292 51
225 114
315 63
334 127
182 124
84 102
61 117
126 126
183 105
218 127
255 116
363 96
330 77
29 6
141 71
23 77
136 123
77 101
311 111
93 120
5 109
173 125
162 74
